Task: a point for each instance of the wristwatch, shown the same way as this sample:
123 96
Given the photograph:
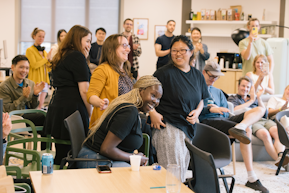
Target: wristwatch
4 141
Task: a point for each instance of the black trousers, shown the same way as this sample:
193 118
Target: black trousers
61 152
224 124
38 120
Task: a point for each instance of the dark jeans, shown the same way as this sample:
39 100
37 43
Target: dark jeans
224 124
38 120
85 152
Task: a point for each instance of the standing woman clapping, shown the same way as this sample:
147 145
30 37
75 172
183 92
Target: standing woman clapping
39 62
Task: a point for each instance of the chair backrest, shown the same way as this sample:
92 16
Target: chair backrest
75 127
213 141
283 136
204 171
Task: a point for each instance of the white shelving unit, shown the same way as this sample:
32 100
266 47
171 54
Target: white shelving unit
224 29
227 35
226 22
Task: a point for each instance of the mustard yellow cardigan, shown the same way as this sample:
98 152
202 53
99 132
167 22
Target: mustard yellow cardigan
39 69
104 84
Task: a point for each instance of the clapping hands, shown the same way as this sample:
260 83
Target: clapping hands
38 88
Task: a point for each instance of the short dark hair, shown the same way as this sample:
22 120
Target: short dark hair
102 29
19 58
196 28
170 21
247 78
184 39
127 19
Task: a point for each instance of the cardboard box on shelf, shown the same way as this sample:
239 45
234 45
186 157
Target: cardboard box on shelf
203 14
231 14
207 15
237 9
224 14
219 14
212 15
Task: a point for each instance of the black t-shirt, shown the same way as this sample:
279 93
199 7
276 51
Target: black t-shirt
94 53
165 42
71 70
182 92
125 124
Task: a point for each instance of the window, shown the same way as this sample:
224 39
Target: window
53 15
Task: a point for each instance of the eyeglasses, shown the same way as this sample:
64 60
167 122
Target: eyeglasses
211 76
125 46
129 24
182 51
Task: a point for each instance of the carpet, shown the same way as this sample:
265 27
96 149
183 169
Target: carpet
265 171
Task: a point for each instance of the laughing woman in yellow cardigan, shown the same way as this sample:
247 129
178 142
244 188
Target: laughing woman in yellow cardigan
112 78
38 59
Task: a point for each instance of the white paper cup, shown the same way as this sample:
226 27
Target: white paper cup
135 162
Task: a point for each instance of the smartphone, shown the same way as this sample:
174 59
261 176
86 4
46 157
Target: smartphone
103 169
255 31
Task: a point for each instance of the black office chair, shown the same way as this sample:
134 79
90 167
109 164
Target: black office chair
284 139
205 178
216 143
75 127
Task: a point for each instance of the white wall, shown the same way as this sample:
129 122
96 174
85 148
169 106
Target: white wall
286 23
7 32
158 12
254 7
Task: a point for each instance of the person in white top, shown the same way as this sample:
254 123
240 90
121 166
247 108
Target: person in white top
60 36
275 104
261 76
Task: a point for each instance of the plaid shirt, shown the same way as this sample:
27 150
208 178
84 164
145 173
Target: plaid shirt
137 52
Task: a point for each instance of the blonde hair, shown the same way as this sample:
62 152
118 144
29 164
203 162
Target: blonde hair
132 97
35 31
255 60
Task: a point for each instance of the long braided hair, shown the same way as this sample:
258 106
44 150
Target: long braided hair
133 97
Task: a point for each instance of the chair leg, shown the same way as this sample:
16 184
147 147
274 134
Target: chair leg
224 180
62 163
281 161
234 157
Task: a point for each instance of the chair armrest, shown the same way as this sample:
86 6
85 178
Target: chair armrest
26 111
17 136
232 182
230 107
15 169
87 159
36 154
22 186
226 176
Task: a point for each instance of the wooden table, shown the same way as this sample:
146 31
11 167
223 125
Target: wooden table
89 180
